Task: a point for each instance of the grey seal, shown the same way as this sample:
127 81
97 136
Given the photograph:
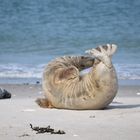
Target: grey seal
65 88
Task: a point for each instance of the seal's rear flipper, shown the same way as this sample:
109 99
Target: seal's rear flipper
108 49
104 53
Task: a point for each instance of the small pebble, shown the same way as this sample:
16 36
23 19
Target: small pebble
25 135
25 83
37 82
92 116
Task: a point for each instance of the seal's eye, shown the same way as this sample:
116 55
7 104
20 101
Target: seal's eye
82 66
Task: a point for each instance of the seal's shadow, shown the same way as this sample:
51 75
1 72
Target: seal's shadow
123 106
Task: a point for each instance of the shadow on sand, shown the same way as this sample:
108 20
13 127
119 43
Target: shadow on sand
122 106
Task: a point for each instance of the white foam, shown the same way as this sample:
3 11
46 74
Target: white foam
128 71
21 71
138 93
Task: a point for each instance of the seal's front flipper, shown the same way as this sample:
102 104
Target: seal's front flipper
44 103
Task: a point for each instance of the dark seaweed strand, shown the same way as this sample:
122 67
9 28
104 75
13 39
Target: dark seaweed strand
47 129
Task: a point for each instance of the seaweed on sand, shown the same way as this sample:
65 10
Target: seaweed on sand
47 129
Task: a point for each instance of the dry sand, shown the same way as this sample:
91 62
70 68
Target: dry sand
120 121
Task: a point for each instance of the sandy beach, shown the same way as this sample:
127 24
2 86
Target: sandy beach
120 121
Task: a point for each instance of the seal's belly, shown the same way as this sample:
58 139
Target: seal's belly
97 97
99 101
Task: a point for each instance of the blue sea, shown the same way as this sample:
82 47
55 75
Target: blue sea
33 32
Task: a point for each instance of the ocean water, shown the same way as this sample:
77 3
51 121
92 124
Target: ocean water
32 32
